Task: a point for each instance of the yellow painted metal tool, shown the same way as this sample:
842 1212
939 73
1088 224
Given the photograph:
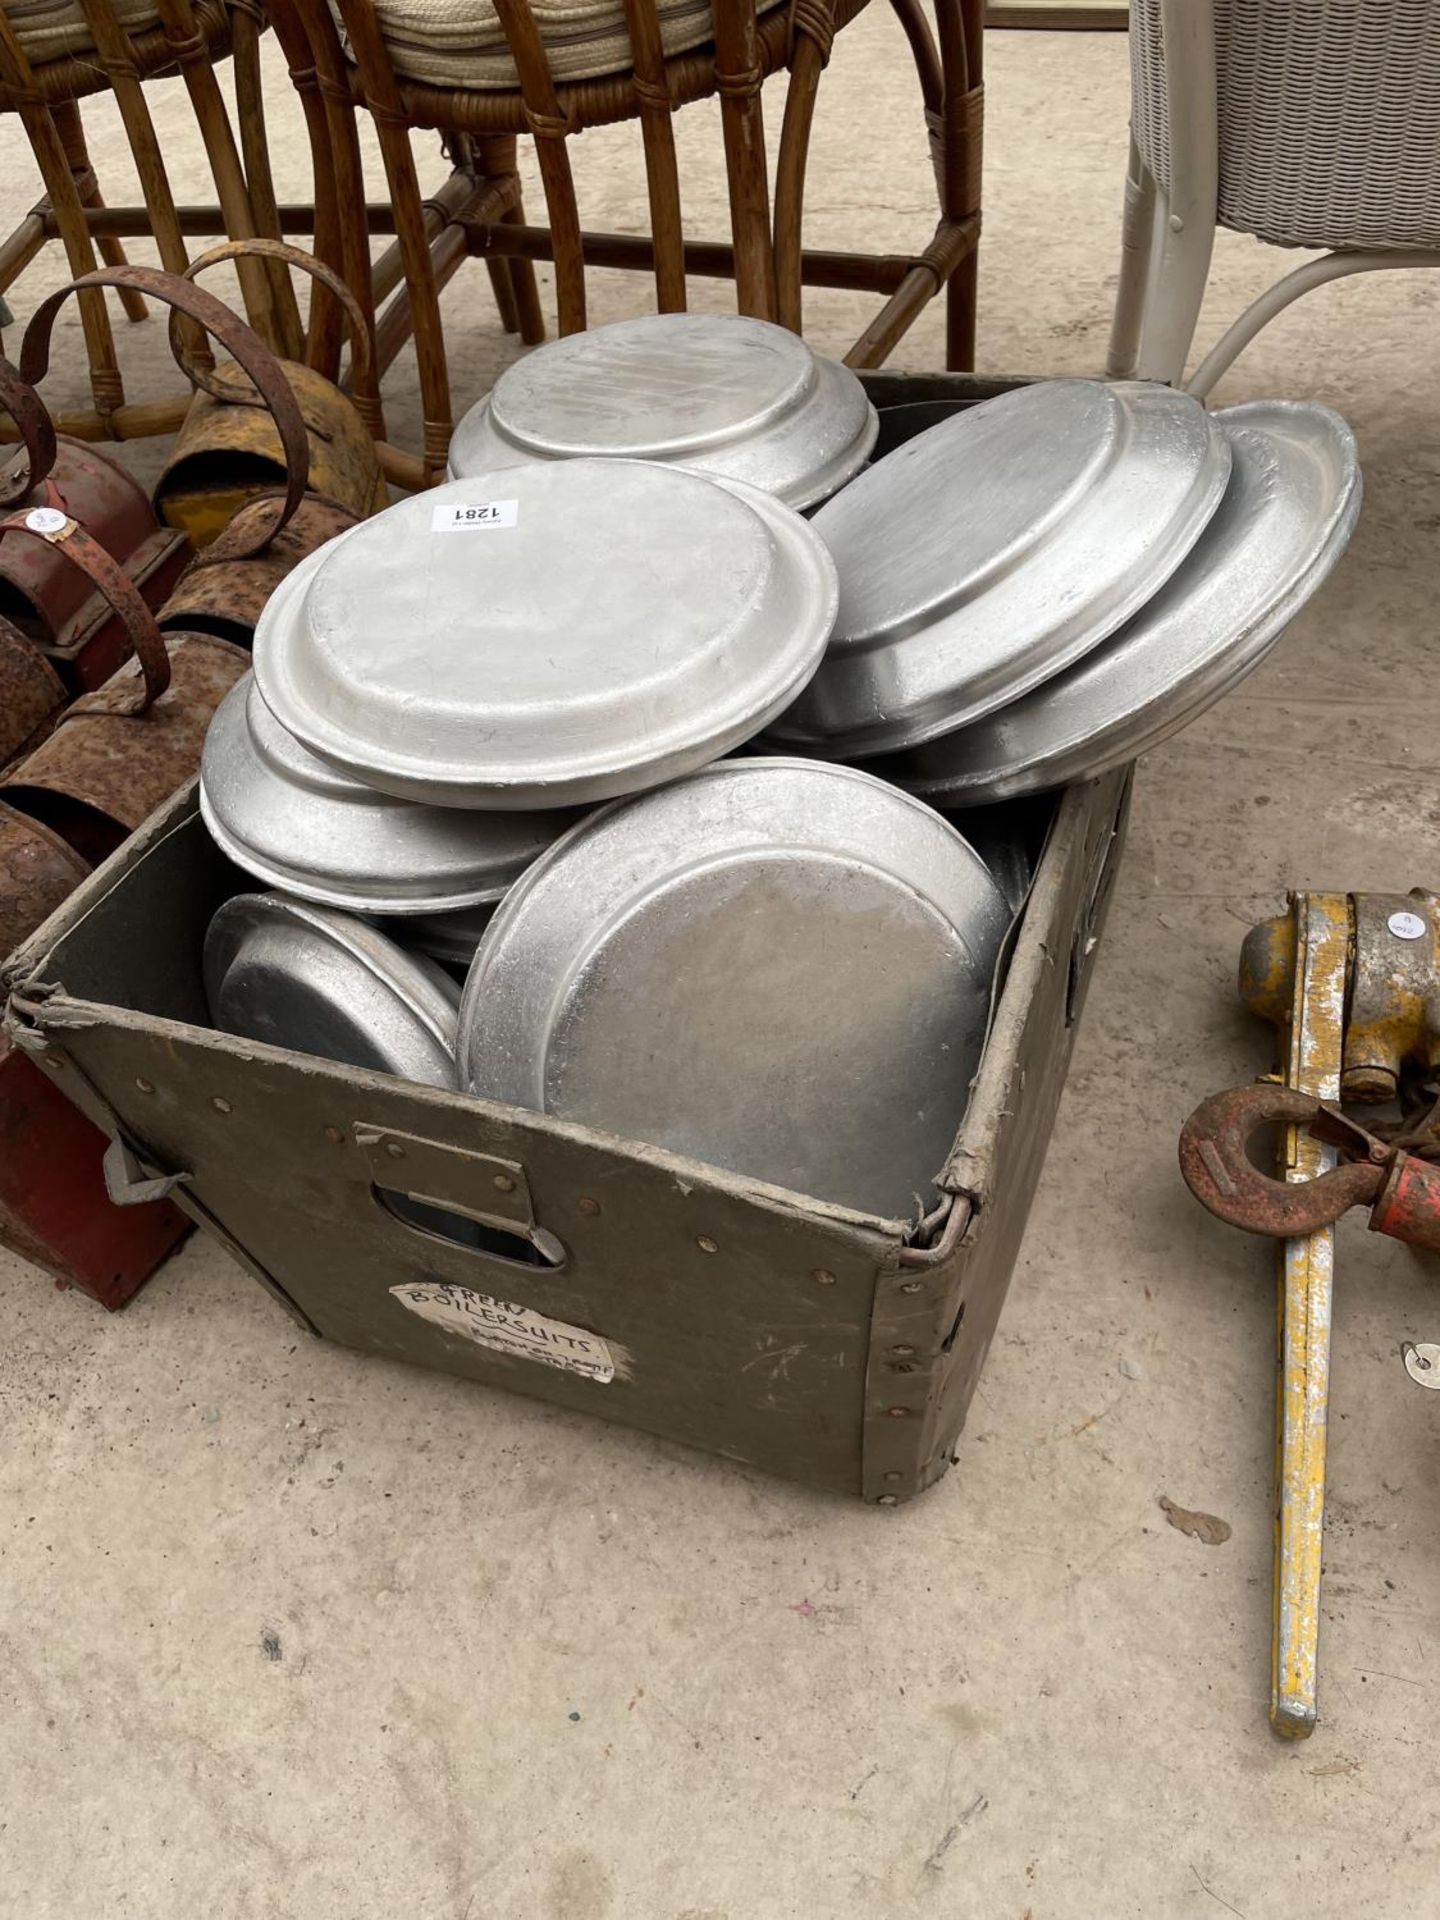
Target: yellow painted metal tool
1312 1040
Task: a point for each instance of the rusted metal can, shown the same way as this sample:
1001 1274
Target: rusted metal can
254 360
105 767
37 871
230 447
95 644
226 597
48 600
31 693
228 451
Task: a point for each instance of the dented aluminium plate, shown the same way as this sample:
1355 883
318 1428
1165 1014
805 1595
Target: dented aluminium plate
777 966
325 983
738 398
301 825
548 634
986 555
1288 512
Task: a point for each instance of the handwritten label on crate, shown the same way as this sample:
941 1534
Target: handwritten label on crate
458 517
509 1327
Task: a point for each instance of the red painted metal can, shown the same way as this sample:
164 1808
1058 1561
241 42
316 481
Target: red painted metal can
54 1210
48 600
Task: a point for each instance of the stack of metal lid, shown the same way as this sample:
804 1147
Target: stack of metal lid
490 730
737 398
1045 585
438 691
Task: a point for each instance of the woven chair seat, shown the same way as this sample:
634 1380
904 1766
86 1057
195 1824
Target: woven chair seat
1329 118
54 29
460 43
47 29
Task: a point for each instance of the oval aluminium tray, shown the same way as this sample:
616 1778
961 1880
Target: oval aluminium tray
301 825
988 554
781 967
548 634
322 982
1288 512
723 394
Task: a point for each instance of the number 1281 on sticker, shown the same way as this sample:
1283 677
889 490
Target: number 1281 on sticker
456 517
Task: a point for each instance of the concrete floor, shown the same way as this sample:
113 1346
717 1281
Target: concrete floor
292 1633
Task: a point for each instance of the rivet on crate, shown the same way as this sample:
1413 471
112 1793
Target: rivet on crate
904 1352
911 1286
395 1150
892 1475
504 1183
898 1413
587 1205
145 1086
822 1277
706 1244
220 1103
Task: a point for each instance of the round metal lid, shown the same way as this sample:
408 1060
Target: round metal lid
987 554
301 825
738 398
778 966
322 982
1288 512
601 626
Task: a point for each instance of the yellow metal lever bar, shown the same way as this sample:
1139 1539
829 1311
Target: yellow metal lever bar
1314 1040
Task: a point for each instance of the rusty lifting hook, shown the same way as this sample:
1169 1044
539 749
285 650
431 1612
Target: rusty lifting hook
1402 1192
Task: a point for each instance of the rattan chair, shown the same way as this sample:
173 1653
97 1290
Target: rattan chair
54 53
1309 123
484 72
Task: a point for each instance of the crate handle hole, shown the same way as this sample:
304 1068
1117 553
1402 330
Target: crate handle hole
514 1246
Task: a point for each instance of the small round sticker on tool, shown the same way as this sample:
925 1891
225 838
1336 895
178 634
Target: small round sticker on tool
1406 926
47 520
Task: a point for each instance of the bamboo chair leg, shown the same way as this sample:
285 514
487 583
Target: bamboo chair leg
923 51
461 151
340 187
957 151
114 51
325 331
814 31
192 56
657 131
410 231
497 161
527 289
106 386
412 236
550 129
738 81
68 124
961 291
502 288
20 248
246 25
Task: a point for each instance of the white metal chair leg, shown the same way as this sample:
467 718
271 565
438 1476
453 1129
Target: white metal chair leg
1177 290
1314 273
1186 204
1136 235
